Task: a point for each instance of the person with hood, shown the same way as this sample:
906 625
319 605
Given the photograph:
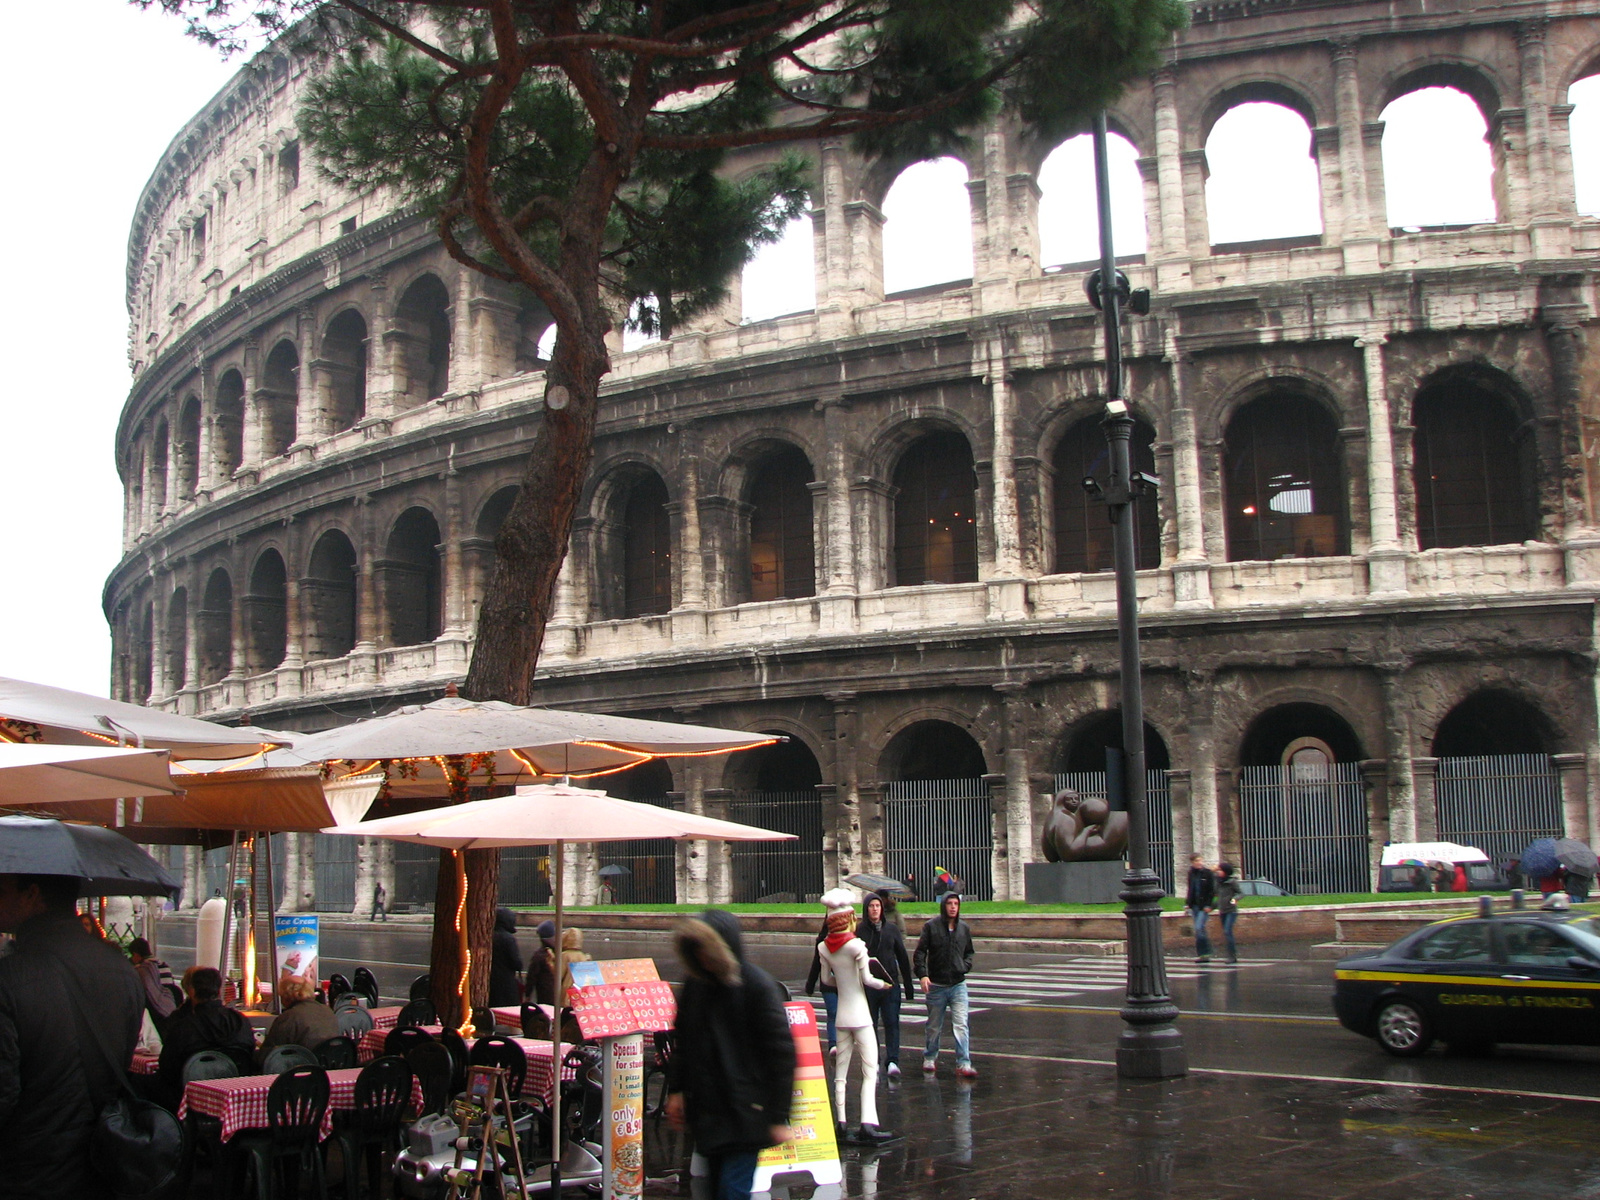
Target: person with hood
845 963
539 987
730 1080
505 965
202 1023
1227 901
70 1009
887 944
942 963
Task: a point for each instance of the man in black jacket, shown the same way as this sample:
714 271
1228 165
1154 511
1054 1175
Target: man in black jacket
731 1076
53 1079
204 1023
1199 900
943 961
505 967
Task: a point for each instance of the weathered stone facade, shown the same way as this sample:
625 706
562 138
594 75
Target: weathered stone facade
327 413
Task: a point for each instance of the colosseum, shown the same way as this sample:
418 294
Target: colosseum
1368 581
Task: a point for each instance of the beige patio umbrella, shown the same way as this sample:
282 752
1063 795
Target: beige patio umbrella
545 815
32 773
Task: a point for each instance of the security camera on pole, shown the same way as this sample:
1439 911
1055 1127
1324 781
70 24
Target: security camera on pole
1151 1046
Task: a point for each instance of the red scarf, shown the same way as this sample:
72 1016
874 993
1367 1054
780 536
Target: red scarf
839 932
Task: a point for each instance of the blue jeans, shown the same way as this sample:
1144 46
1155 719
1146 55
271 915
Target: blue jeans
732 1175
1202 944
1228 918
830 1001
953 997
886 1004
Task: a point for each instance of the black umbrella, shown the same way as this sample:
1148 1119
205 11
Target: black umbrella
615 869
1539 859
1576 857
871 881
107 863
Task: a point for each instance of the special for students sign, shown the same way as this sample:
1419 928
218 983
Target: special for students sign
812 1151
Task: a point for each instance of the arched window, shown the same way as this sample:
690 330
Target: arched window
227 426
280 383
1472 464
1090 746
1436 162
412 593
1069 219
177 647
781 278
266 611
186 448
1491 722
344 350
495 511
927 227
1283 482
1263 180
1584 129
533 320
782 565
935 512
216 628
144 654
328 597
1083 525
423 317
646 549
158 464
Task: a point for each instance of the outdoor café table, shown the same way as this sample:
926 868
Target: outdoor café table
241 1102
384 1018
538 1053
511 1014
144 1064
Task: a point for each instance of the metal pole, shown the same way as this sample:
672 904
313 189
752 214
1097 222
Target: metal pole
1151 1047
272 930
225 958
555 1043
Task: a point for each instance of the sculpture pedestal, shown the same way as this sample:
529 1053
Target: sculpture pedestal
1072 882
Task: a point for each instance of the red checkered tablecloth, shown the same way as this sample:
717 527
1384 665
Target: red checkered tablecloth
385 1018
535 1083
144 1064
241 1102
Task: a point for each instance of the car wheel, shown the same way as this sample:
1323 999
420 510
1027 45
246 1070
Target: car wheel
1402 1029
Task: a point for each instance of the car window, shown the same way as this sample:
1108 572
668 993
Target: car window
1587 934
1528 944
1462 942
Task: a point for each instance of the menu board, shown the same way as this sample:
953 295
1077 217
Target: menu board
614 1009
813 1149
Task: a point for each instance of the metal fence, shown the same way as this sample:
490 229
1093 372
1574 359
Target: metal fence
416 874
334 859
778 871
945 823
651 865
1305 829
1158 801
1499 803
525 876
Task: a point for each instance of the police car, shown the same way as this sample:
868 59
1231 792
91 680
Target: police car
1527 976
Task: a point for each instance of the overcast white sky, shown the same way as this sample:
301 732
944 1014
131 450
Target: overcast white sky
81 153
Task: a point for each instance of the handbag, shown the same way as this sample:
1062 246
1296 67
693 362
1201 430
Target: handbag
136 1147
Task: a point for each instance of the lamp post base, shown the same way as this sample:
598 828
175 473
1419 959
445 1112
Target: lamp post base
1155 1052
1151 1045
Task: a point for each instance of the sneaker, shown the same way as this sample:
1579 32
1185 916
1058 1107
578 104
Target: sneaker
929 1066
1202 961
967 1071
833 1052
893 1071
871 1135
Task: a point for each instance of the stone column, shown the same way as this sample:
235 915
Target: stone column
1375 780
1191 572
250 437
1544 198
693 883
205 471
313 403
1206 799
364 654
1386 559
1015 808
1564 336
871 506
1005 519
839 570
831 241
1359 223
691 570
1425 798
160 589
1180 787
194 598
1573 772
1400 785
1197 229
841 835
1172 239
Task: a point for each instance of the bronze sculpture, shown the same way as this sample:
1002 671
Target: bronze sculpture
1084 829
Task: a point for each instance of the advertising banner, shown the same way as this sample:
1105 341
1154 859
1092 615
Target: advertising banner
295 944
624 1128
813 1151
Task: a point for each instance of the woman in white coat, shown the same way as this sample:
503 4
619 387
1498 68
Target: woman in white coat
844 960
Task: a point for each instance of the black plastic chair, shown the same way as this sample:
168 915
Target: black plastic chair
338 985
354 1020
338 1054
535 1024
291 1143
372 1128
456 1044
365 982
209 1064
433 1067
496 1051
421 987
664 1041
205 1131
287 1057
401 1038
418 1012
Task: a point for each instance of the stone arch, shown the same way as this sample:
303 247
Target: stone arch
935 512
1069 232
177 647
791 765
633 552
894 434
214 626
422 323
1257 188
276 399
159 465
1494 720
1083 744
328 596
931 745
492 512
533 322
1438 171
1474 78
186 448
1082 533
1263 89
266 613
927 226
1284 479
346 355
410 579
777 524
227 425
1278 729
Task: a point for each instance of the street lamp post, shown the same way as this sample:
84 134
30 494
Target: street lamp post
1151 1046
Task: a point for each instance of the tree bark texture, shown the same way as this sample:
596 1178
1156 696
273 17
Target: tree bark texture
483 887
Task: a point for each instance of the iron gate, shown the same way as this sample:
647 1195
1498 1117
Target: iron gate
778 872
651 865
945 823
1305 828
1158 802
334 868
1499 803
525 876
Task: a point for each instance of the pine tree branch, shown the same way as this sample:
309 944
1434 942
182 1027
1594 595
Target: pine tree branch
421 45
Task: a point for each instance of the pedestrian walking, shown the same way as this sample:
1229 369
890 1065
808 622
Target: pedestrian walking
1227 900
943 961
380 902
846 963
730 1079
1199 900
70 1009
886 942
505 965
830 994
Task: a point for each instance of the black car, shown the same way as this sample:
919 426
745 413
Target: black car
1524 976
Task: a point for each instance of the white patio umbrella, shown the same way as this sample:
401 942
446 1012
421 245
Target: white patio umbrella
545 815
31 774
1397 852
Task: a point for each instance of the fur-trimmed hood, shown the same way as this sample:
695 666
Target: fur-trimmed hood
711 947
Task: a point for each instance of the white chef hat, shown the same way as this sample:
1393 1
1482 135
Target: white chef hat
839 900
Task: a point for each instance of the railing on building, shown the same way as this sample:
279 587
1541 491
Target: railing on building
334 870
1498 803
525 876
1158 800
416 875
651 865
947 823
778 871
1305 829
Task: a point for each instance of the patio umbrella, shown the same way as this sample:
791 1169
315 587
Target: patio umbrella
31 773
34 712
1539 859
1576 857
106 863
545 815
870 881
1398 853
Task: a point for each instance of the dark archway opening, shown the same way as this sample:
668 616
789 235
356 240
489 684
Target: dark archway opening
933 750
782 545
144 654
775 787
645 870
158 465
646 549
177 648
423 316
1085 748
345 351
413 597
1280 731
935 512
328 598
266 612
936 809
1284 482
215 622
186 449
1083 526
227 426
278 399
1491 723
1474 464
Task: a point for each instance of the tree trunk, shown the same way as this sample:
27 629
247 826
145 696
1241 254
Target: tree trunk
444 958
